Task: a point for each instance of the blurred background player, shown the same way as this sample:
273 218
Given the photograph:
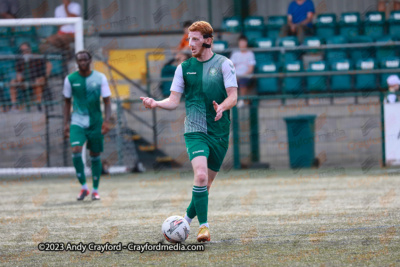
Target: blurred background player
184 43
393 82
9 9
209 83
244 62
86 87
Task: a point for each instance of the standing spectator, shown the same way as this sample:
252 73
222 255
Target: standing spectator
32 70
9 9
184 43
300 16
387 6
65 34
244 62
393 82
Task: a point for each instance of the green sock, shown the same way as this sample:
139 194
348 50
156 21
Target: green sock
79 168
200 199
191 210
96 171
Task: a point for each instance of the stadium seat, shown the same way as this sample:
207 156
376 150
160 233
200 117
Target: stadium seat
293 85
318 82
313 42
374 25
253 28
388 63
289 55
5 42
24 31
262 57
274 26
167 71
267 85
341 82
350 24
394 25
365 81
385 51
231 24
326 25
57 67
335 53
361 52
219 46
5 31
45 31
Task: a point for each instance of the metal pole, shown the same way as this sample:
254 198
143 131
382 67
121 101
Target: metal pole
381 98
236 141
46 113
119 133
210 12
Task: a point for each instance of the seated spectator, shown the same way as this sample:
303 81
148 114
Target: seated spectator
65 34
393 82
244 61
9 9
184 44
300 17
32 70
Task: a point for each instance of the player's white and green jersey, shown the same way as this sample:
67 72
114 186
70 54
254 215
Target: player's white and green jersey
203 83
86 92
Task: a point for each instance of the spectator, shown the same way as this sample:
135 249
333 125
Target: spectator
244 62
388 5
300 16
32 70
393 82
65 34
184 44
9 9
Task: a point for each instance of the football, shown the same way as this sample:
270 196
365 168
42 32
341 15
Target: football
175 229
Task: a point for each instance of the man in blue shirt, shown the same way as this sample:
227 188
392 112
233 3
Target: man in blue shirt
300 16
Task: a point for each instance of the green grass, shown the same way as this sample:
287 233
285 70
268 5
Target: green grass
257 218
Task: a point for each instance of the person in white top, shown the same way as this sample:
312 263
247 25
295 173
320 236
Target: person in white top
65 34
244 62
393 82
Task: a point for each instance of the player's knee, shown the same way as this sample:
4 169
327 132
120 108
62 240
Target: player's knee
94 155
76 149
201 177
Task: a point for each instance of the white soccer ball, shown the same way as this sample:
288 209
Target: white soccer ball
175 229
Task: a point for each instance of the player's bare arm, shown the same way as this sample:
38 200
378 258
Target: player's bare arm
228 103
67 115
107 115
170 103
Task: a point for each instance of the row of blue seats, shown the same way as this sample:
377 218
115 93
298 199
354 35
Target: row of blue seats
317 82
326 25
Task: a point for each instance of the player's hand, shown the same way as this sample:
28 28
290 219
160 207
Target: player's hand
66 131
218 109
105 128
148 102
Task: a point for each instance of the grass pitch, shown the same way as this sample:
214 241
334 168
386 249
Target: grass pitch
257 218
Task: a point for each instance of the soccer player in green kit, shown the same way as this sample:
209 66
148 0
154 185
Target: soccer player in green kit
86 86
209 83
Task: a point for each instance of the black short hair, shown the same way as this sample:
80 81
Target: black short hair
83 52
187 24
243 37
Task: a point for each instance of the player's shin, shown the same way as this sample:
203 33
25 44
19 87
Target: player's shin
200 199
190 212
96 172
79 167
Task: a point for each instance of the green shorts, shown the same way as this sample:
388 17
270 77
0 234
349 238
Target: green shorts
79 135
201 144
